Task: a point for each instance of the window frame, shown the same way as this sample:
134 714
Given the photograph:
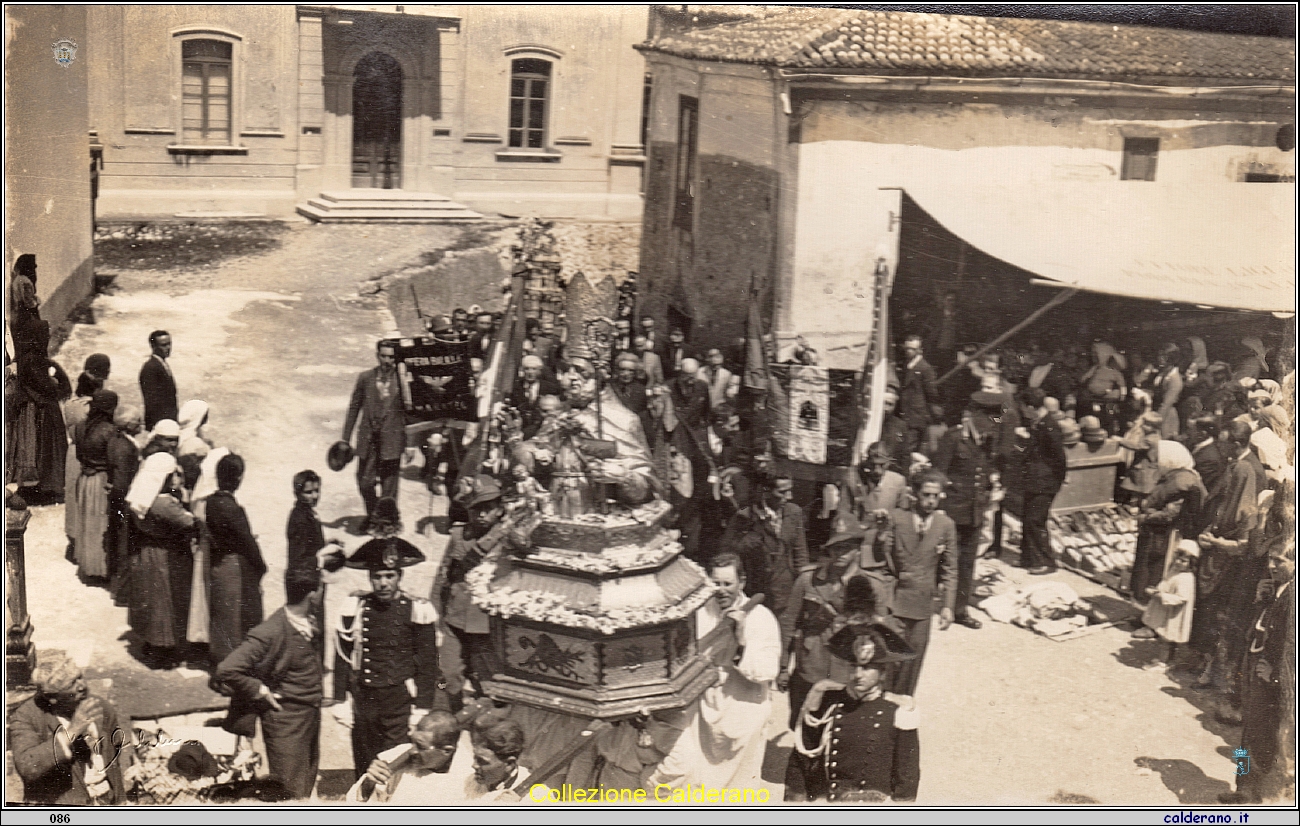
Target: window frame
1141 156
236 103
686 152
524 130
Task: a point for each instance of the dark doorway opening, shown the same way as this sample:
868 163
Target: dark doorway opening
377 123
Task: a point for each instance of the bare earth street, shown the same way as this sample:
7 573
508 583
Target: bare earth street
273 342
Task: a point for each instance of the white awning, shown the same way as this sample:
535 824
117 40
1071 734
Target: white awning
1228 245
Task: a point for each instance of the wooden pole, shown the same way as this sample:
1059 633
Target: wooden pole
1058 299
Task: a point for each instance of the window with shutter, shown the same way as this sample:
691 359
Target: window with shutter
205 92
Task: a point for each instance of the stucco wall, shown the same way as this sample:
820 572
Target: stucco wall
135 107
850 150
47 155
732 246
594 109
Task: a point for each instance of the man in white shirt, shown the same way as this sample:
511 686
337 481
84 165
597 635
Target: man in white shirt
735 710
723 385
431 770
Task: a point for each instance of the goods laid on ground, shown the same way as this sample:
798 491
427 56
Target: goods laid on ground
1099 543
1050 608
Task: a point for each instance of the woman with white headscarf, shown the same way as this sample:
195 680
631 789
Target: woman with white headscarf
160 598
191 418
1171 511
1273 441
197 629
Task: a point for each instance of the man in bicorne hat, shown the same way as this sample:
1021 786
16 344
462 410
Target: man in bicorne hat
860 742
389 642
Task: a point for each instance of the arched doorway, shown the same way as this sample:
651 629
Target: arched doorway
377 123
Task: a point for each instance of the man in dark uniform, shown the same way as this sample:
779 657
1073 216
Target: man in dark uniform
858 742
1044 465
965 456
388 645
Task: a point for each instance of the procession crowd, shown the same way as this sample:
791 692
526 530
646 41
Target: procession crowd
851 581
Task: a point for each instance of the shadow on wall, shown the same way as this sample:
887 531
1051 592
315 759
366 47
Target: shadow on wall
1186 780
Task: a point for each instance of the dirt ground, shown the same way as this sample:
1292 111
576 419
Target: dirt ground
273 340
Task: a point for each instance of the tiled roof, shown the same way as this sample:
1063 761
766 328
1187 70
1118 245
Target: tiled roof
904 43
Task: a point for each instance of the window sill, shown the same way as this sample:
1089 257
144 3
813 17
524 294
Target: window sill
481 137
200 149
627 160
529 155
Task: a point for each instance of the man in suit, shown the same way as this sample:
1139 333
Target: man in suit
1207 451
531 385
480 341
157 385
276 674
651 364
654 339
381 436
723 384
918 399
690 401
965 456
769 538
673 353
920 550
630 390
1043 473
70 748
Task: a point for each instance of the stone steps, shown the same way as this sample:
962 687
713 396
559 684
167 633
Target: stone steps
386 205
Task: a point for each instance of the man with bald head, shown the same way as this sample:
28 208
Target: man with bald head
431 770
69 747
531 385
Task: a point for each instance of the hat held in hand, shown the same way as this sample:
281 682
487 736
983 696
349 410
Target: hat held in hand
339 455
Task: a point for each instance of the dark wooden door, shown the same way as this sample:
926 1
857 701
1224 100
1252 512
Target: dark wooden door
377 123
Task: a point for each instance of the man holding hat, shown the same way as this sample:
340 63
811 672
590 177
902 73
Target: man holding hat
468 545
69 747
388 640
377 403
860 742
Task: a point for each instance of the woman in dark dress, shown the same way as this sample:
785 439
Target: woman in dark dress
237 565
90 491
1173 505
160 579
37 450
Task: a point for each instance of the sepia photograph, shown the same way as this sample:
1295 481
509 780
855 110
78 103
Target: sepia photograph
739 409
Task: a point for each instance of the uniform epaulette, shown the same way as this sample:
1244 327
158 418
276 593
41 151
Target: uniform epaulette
422 611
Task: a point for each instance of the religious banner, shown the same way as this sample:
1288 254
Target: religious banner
435 377
814 414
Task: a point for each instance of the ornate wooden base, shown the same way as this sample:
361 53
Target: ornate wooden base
607 703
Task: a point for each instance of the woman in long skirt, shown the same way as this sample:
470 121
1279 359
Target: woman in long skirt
90 495
161 579
237 565
199 628
75 411
36 453
123 464
1173 505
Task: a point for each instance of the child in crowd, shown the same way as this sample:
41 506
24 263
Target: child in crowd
1169 614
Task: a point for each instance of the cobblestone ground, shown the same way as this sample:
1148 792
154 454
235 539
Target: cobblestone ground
273 343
